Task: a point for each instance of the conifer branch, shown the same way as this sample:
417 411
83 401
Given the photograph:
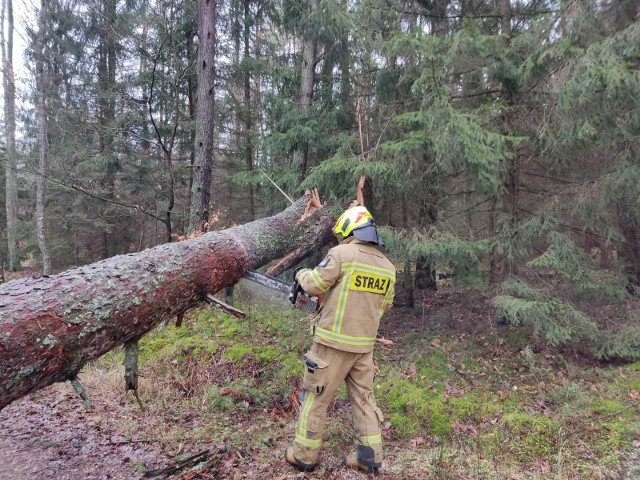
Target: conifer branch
582 231
477 94
465 210
547 177
423 13
73 186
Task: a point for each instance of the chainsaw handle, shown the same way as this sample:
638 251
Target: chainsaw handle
296 289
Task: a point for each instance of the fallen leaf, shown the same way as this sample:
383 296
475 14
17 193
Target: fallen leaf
452 390
418 441
545 467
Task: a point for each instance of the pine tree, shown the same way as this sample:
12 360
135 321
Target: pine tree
203 165
11 165
41 107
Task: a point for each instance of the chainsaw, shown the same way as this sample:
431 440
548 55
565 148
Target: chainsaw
294 292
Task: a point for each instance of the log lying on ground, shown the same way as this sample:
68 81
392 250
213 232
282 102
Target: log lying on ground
51 326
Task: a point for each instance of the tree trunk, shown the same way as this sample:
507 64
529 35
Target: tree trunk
345 62
248 120
425 265
51 326
9 85
192 83
107 110
307 83
42 140
205 115
243 125
425 273
511 198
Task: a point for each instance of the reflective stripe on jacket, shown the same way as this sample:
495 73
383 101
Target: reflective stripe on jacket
357 283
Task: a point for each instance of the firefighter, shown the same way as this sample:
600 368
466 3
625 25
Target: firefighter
357 283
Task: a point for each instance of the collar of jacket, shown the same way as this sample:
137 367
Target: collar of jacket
353 239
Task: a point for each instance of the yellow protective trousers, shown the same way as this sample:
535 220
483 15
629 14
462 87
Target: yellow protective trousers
325 369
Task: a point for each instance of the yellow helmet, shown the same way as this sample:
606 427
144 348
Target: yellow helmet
352 219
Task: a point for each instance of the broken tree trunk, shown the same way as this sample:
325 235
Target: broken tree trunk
52 326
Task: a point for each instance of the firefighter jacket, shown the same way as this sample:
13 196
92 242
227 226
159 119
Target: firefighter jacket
357 284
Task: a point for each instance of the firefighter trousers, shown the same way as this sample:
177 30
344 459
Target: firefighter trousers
325 369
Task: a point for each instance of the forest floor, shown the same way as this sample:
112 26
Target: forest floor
464 398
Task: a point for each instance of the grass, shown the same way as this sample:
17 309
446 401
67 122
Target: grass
487 405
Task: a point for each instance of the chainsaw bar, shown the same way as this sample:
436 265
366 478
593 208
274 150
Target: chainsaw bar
304 302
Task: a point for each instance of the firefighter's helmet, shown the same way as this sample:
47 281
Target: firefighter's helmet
359 222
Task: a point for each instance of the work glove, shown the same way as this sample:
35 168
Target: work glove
300 273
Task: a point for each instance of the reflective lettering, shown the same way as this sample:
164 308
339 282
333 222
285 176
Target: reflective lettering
369 282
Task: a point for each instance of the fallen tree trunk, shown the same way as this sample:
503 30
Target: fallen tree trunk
52 326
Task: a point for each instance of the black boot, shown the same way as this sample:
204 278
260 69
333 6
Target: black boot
293 461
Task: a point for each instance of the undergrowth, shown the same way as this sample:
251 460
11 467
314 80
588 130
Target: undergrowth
488 405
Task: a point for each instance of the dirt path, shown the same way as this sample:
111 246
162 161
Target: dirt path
631 467
52 435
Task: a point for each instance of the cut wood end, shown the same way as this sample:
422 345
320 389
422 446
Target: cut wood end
284 263
313 204
359 194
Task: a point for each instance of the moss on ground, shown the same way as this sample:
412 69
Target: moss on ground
513 407
481 403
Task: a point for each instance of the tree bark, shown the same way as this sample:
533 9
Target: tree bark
425 278
205 116
51 326
248 120
42 140
11 174
107 56
511 187
307 83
